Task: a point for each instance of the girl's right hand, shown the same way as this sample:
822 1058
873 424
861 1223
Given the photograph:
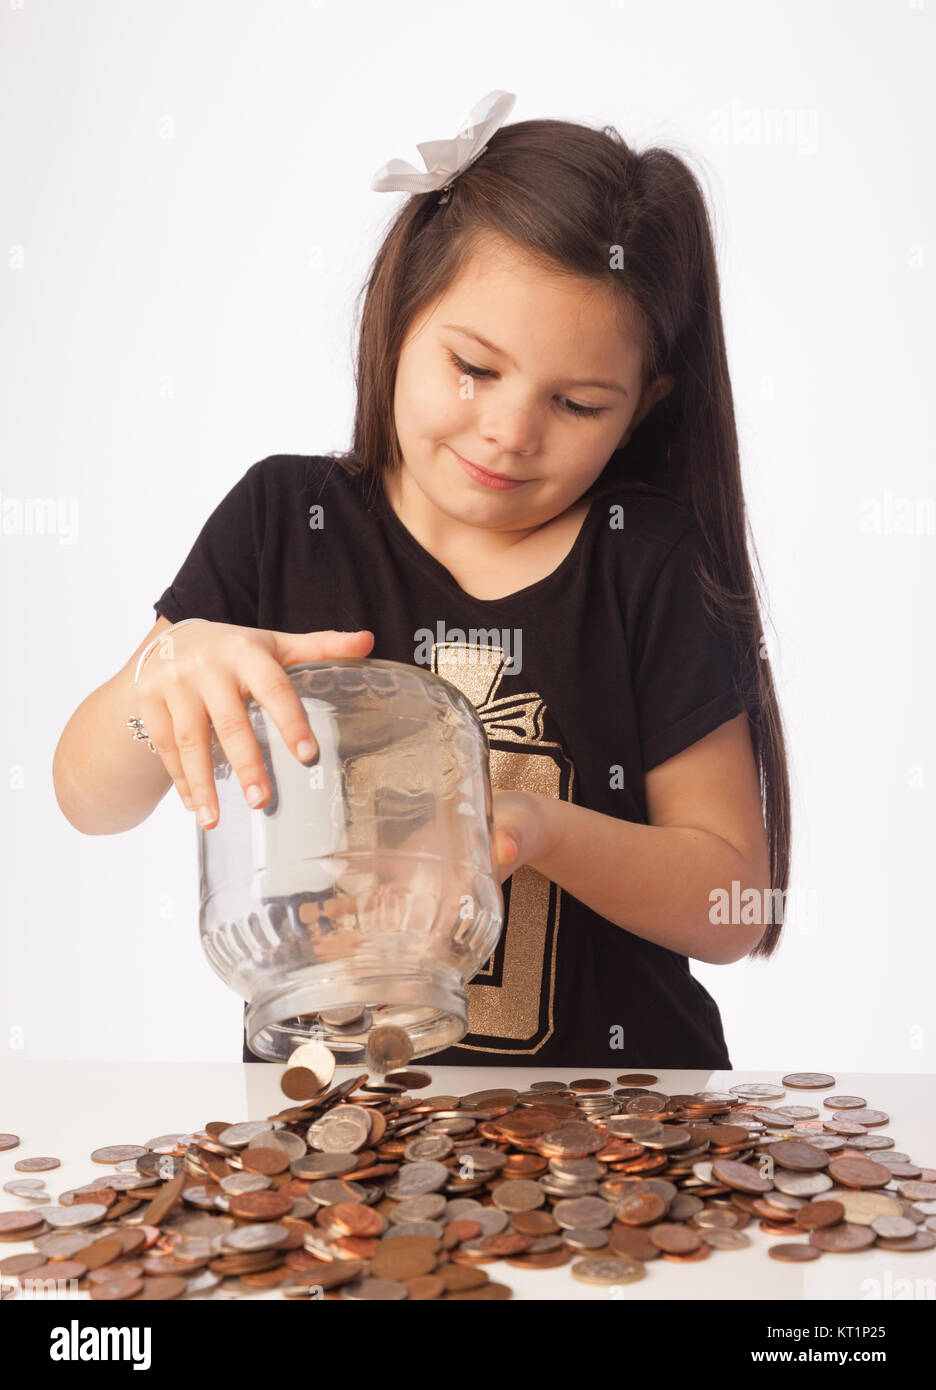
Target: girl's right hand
201 675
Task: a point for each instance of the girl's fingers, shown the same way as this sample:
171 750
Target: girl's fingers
192 735
157 722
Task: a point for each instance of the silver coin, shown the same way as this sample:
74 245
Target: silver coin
236 1183
319 1059
893 1226
583 1212
475 1159
555 1187
63 1244
800 1184
261 1235
327 1191
82 1214
33 1189
125 1182
462 1208
343 1130
355 1028
450 1124
201 1283
576 1168
313 1165
520 1194
291 1144
723 1238
758 1090
162 1166
608 1269
435 1146
165 1143
576 1239
239 1136
428 1207
414 1179
338 1018
415 1228
491 1220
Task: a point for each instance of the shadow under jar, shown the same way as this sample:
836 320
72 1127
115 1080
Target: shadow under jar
368 879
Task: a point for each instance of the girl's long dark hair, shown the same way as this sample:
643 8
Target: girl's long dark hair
583 201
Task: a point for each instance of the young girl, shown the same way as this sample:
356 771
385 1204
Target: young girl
544 478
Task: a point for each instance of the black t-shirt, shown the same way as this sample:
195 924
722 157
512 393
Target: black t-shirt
620 668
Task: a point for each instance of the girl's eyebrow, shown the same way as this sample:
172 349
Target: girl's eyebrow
470 333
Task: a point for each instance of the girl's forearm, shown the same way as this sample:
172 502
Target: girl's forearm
654 881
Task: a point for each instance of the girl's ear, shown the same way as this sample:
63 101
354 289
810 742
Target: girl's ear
659 388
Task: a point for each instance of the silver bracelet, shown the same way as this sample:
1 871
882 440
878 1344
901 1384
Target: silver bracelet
137 724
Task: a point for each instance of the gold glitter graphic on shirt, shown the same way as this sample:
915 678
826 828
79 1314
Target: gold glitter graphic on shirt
516 1000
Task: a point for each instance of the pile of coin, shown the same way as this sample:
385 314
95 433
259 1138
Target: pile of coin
365 1191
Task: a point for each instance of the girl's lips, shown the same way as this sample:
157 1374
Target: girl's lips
492 480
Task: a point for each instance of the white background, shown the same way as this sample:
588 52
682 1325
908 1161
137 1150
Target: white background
186 218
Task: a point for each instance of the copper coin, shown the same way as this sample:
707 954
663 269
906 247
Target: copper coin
162 1204
424 1286
410 1080
675 1239
640 1209
265 1205
637 1079
590 1083
844 1102
64 1270
397 1260
118 1153
541 1259
870 1118
164 1288
798 1155
533 1223
37 1165
843 1238
740 1176
18 1264
633 1244
507 1243
8 1141
462 1277
16 1221
354 1218
917 1191
920 1240
101 1252
808 1080
858 1172
794 1254
300 1083
815 1215
690 1257
266 1161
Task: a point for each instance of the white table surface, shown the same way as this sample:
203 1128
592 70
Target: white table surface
66 1109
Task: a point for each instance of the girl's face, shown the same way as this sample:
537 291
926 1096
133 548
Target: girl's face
546 399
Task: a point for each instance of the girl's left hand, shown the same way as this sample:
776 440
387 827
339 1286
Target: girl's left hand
520 829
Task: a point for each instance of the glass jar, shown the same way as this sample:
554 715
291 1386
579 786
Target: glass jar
369 878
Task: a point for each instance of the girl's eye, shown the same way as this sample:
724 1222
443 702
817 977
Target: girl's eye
571 407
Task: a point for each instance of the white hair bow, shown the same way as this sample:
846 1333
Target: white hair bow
444 159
